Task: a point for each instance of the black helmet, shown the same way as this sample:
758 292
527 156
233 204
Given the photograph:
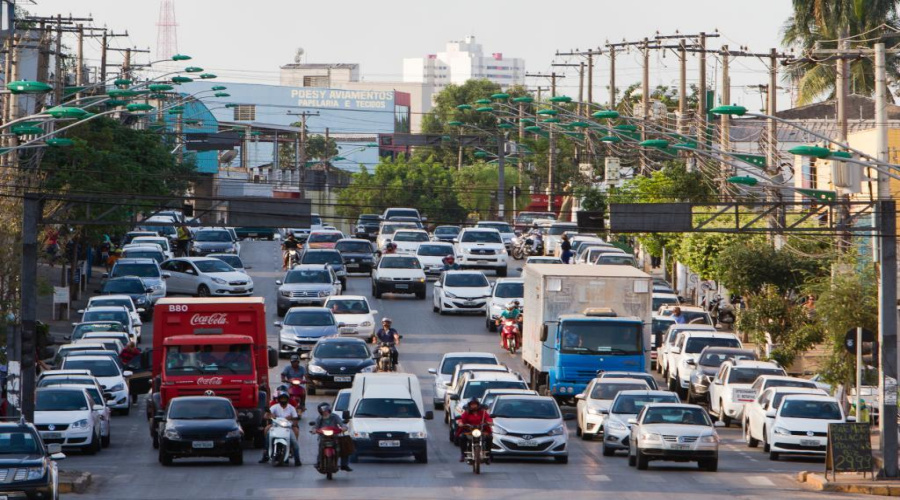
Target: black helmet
475 401
323 407
284 395
281 388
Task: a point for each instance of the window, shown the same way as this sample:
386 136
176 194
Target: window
316 81
245 112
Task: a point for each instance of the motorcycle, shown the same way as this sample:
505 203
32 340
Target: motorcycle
527 246
383 358
293 257
722 312
510 335
329 450
298 393
477 451
280 450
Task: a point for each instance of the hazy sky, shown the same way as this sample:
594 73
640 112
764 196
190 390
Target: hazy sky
249 40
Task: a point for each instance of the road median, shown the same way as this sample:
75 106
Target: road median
74 481
849 483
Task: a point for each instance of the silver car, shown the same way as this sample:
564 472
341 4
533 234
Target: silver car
530 426
625 406
674 432
306 285
444 373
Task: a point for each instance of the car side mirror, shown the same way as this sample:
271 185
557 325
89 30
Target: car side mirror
580 396
277 323
568 416
544 332
54 449
851 418
676 350
437 284
99 407
454 397
632 421
455 240
341 325
148 290
373 312
432 371
278 282
67 337
691 362
604 411
273 357
104 275
127 373
345 415
81 311
770 414
429 415
141 310
248 267
519 269
718 423
168 275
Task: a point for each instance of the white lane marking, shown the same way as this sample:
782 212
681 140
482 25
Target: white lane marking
653 478
706 478
759 481
444 474
600 478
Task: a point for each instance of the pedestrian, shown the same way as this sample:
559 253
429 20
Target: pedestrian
4 404
115 256
678 317
566 248
105 251
52 246
128 353
184 237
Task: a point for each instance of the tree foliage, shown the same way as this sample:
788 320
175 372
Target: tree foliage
747 267
476 188
785 322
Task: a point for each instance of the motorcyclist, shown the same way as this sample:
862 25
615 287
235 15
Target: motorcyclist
285 389
389 336
292 371
290 243
512 312
474 416
390 247
450 263
327 418
284 410
537 238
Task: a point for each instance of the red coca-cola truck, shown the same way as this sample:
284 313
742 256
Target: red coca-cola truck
215 346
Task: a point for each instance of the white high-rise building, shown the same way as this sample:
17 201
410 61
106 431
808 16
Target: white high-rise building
462 61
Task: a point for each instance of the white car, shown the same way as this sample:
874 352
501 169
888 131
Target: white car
528 426
764 382
387 229
678 432
506 231
663 299
505 290
663 352
115 301
233 260
94 390
147 270
554 234
686 349
162 242
800 425
692 314
206 277
625 406
461 291
353 312
409 240
398 274
67 416
592 405
543 260
460 370
472 384
444 372
481 249
432 255
113 313
144 251
757 417
730 389
121 337
589 251
111 378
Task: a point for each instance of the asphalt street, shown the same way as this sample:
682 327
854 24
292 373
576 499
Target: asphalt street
128 469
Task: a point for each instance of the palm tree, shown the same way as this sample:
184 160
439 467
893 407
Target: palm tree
823 22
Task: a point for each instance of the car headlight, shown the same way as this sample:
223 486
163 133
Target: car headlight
235 434
219 281
285 293
368 369
709 439
35 473
449 295
366 323
651 437
360 435
594 411
172 434
324 293
316 369
614 425
781 431
156 287
417 435
420 280
81 424
141 300
557 431
118 387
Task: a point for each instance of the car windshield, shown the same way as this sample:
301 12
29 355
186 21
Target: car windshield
717 358
342 350
60 400
348 306
749 375
661 301
507 407
94 315
509 290
608 390
342 401
101 302
387 408
818 410
51 381
466 280
499 226
402 212
400 263
646 377
476 388
481 237
410 236
143 254
140 270
324 237
213 266
322 258
309 318
200 409
209 359
789 383
106 326
696 344
232 260
615 260
676 416
556 230
447 230
435 250
308 276
596 337
18 443
97 367
660 325
691 316
632 404
213 236
127 286
354 247
527 218
450 363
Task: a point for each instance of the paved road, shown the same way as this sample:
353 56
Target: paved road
129 468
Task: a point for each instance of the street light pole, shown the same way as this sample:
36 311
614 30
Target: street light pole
501 174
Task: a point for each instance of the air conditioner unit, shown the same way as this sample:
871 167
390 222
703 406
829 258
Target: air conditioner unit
847 176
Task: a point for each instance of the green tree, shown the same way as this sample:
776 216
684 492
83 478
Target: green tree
317 148
665 94
786 323
476 188
746 267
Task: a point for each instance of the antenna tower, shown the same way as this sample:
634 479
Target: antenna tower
167 31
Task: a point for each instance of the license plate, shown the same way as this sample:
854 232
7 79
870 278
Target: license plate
348 330
395 443
353 266
343 379
252 234
402 287
809 442
531 443
240 289
681 447
205 445
481 261
470 302
305 348
51 435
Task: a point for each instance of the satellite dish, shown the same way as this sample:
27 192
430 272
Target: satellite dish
227 156
298 56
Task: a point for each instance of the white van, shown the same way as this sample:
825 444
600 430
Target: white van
387 417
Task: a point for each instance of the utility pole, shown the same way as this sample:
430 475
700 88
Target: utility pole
22 356
79 69
104 44
501 175
645 100
682 86
551 166
301 174
552 77
612 78
701 101
772 145
126 65
585 109
59 78
725 139
590 83
842 81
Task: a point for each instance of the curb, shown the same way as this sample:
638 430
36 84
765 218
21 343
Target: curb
817 481
74 481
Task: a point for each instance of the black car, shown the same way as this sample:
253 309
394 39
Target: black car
29 465
358 255
446 233
200 426
335 361
367 226
707 365
135 288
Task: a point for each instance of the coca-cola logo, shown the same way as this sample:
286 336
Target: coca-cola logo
214 319
209 381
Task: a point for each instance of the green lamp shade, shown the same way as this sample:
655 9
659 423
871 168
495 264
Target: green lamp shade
178 107
160 87
560 98
527 120
208 76
746 180
550 120
483 101
113 103
580 124
485 109
231 105
626 128
193 69
500 96
139 106
181 57
464 106
176 111
534 129
685 145
455 124
480 154
121 82
60 142
219 88
842 155
120 93
606 114
65 112
182 79
611 139
27 129
371 145
26 87
815 151
191 121
222 94
523 100
654 143
506 126
729 110
548 112
338 158
819 194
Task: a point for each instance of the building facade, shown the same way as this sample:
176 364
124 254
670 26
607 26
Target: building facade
462 61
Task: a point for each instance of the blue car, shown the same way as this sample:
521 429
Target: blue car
303 327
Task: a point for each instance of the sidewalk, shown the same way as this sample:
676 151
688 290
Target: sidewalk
849 483
49 277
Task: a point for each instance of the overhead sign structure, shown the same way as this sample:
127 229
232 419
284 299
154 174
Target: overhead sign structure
269 212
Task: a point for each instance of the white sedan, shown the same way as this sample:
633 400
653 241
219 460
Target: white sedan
352 312
801 425
461 291
505 291
593 404
206 277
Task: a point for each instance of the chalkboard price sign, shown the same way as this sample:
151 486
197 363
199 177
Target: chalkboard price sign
849 448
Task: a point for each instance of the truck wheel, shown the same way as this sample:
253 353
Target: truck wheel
501 272
164 458
421 458
259 439
203 291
